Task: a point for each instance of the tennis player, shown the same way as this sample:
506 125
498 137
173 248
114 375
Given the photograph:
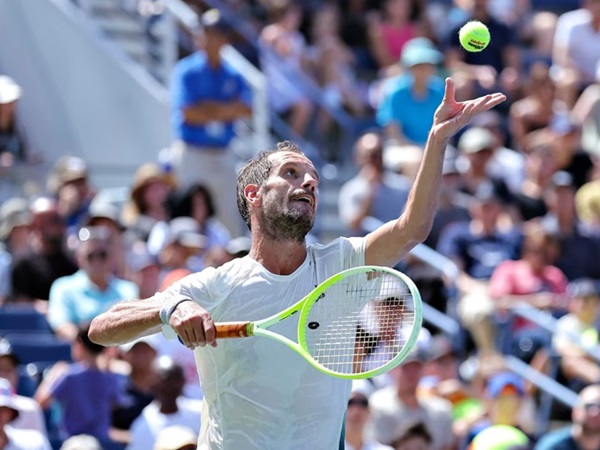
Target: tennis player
258 393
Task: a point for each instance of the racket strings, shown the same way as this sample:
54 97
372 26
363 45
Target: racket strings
361 324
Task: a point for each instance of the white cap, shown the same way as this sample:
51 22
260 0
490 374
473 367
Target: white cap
9 90
175 437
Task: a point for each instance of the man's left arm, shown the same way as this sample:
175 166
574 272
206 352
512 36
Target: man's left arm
389 243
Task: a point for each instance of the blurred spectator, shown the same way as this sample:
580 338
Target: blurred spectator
147 202
482 162
86 394
104 214
12 143
76 299
396 408
540 167
69 183
12 438
357 417
534 280
579 324
176 437
587 206
453 205
576 53
504 400
181 246
536 109
81 442
415 438
390 30
584 432
373 192
143 269
577 250
138 383
498 67
169 408
501 437
198 203
586 115
478 247
46 259
15 221
208 97
507 163
409 101
285 46
30 412
333 66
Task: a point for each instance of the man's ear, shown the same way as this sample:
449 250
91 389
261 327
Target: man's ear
252 194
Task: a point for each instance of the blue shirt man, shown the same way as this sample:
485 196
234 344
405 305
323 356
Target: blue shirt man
409 101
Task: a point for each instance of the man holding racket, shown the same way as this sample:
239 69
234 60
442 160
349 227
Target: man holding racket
259 394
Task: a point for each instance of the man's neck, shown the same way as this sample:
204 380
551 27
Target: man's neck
279 258
354 437
586 440
409 399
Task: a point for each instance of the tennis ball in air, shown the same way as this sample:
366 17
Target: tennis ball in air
474 36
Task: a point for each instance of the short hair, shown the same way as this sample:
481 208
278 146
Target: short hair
256 171
84 339
417 430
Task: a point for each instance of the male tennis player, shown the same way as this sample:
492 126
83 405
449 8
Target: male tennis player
258 393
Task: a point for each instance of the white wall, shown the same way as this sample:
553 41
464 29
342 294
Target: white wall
81 94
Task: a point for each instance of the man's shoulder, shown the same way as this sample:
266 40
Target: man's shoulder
560 439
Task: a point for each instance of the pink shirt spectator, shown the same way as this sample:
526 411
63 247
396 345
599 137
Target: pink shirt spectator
517 278
395 38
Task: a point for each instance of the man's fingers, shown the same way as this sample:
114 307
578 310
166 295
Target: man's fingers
449 91
210 331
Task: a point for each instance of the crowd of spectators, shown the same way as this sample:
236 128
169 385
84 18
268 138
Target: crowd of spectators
519 217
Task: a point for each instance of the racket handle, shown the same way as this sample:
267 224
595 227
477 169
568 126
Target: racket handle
227 330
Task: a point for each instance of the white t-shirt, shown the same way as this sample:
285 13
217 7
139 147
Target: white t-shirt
574 30
30 417
258 394
151 421
25 439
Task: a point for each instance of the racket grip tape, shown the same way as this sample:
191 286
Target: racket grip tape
227 330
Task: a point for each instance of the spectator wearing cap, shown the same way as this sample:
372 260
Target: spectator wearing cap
16 438
584 431
498 67
169 408
534 280
15 221
179 246
76 299
578 249
30 413
148 201
12 142
208 97
47 258
137 383
373 192
357 418
477 247
176 437
85 392
104 214
198 202
81 442
577 331
69 183
505 402
397 407
480 163
409 101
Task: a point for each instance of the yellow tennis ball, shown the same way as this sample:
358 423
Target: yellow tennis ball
474 36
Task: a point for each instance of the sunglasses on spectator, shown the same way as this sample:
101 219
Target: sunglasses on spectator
588 406
362 402
97 255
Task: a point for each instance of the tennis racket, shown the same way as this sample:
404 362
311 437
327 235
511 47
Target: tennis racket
359 323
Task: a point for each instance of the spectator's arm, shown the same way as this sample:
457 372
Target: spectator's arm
586 104
59 311
52 385
209 111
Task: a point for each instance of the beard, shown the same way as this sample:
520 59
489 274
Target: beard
285 223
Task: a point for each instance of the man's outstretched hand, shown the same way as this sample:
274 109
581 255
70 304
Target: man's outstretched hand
451 115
